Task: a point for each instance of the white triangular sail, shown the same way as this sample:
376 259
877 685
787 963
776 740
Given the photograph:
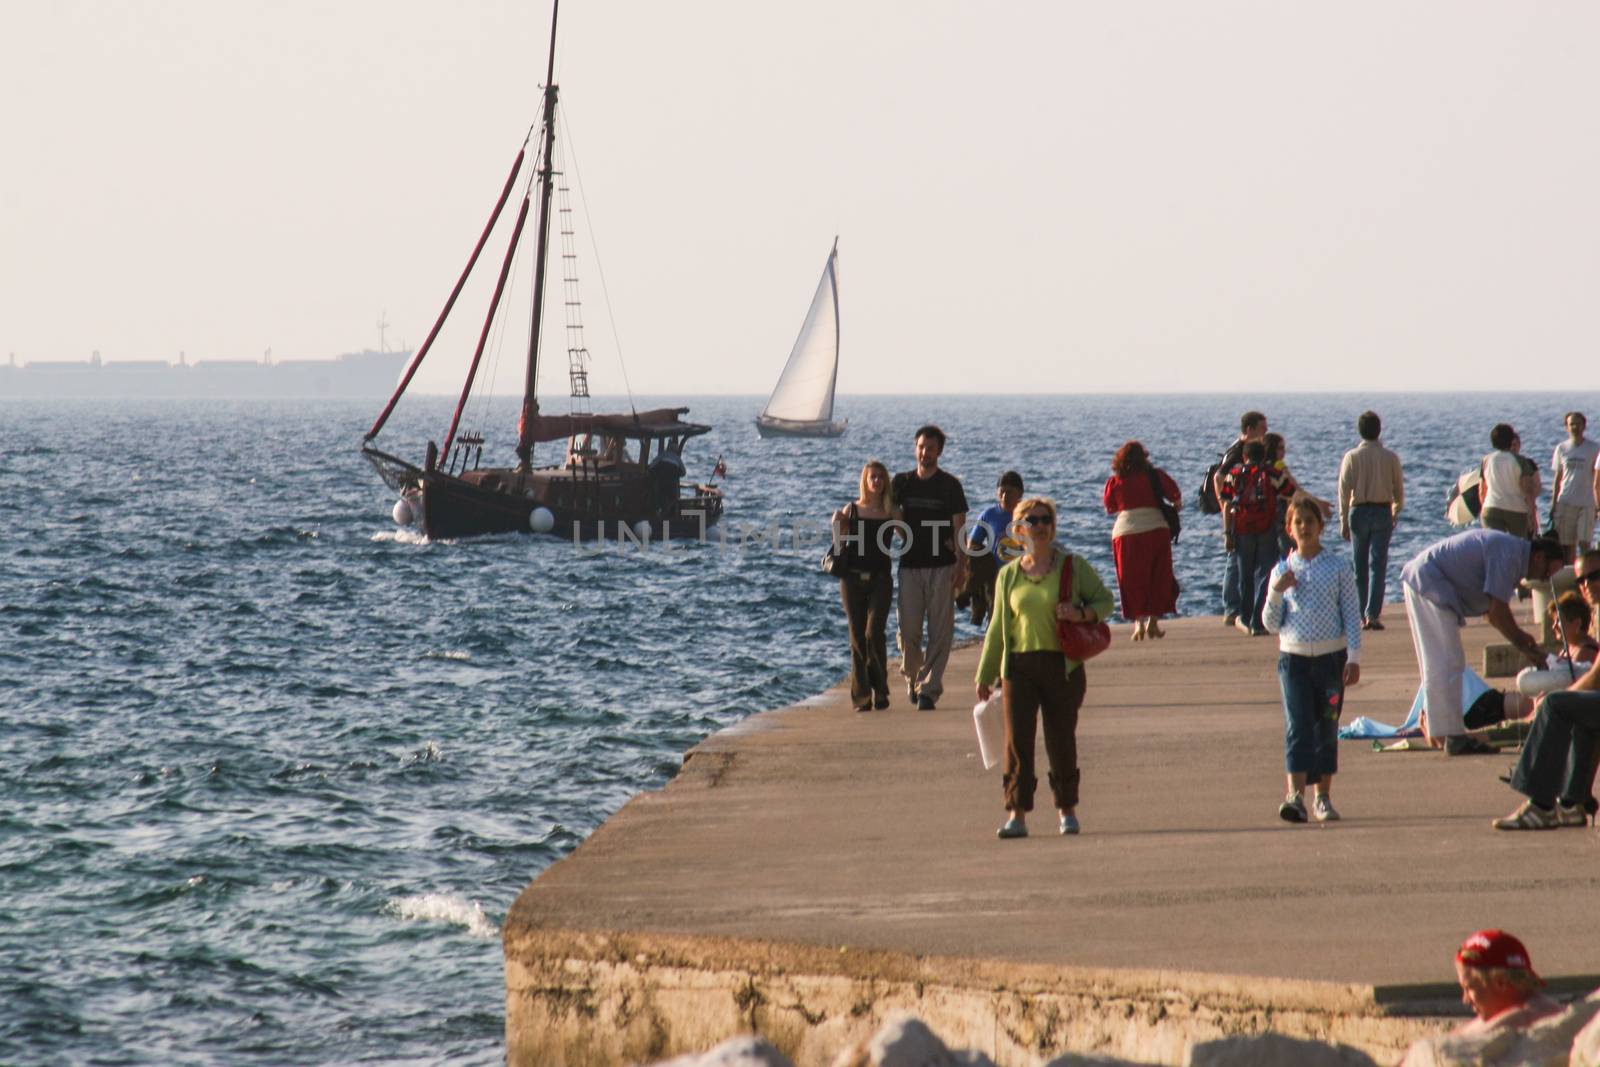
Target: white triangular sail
804 392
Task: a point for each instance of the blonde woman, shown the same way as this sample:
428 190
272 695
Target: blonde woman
1039 681
867 586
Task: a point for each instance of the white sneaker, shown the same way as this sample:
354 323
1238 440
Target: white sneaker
1293 808
1324 810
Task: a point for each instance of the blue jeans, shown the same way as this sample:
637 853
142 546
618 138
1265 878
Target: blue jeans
1371 526
1230 584
1313 696
1257 553
1558 762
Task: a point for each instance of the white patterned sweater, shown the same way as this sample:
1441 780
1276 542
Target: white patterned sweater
1320 613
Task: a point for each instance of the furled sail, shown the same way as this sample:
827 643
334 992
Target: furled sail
804 392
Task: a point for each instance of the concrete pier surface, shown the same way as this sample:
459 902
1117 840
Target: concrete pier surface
813 868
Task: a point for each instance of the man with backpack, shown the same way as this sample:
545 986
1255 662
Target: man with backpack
1252 427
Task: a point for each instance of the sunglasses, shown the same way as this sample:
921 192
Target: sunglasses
1038 520
1590 577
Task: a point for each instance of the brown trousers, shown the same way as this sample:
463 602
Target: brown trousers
866 597
1035 683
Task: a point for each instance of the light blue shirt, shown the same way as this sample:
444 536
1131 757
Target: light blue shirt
1320 613
1465 573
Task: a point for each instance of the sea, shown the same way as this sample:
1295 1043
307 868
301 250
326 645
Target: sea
276 768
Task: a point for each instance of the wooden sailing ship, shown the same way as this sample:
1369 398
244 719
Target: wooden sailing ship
801 404
612 471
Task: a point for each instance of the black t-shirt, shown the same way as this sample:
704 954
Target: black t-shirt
930 505
864 543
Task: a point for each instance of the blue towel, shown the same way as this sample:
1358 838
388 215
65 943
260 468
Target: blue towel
1362 728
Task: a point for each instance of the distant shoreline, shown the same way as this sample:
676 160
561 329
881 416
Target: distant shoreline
364 374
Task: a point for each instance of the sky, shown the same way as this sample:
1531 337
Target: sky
1044 196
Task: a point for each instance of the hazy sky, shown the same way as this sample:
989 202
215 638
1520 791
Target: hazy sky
1045 196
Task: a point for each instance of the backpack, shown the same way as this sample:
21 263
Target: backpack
1209 504
1255 498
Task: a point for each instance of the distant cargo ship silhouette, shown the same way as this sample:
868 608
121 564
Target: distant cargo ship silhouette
366 374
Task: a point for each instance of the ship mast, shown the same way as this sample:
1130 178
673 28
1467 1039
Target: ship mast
530 399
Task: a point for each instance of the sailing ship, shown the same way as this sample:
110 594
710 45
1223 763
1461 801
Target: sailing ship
613 471
801 404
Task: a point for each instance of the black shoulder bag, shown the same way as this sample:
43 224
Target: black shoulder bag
1168 512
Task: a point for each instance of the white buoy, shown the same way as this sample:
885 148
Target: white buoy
541 520
642 530
402 512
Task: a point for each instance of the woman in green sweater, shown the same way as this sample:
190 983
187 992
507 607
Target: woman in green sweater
1022 648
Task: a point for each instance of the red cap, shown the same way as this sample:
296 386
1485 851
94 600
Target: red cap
1494 948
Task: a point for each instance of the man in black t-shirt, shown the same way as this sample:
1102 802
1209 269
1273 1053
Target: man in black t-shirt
932 504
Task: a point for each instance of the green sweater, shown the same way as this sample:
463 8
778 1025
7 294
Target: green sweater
1024 621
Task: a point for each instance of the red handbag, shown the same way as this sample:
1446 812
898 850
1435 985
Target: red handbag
1079 640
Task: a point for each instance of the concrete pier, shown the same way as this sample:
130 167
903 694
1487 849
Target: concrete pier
813 869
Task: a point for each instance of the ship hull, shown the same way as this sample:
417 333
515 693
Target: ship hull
579 502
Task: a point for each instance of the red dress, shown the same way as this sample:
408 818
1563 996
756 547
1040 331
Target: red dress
1144 560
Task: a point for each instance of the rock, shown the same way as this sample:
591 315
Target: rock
747 1051
906 1041
1083 1059
1273 1050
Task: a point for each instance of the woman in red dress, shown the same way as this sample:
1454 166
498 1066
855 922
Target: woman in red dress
1141 540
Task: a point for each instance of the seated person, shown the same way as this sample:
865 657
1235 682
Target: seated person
1499 984
1569 618
1556 769
1573 619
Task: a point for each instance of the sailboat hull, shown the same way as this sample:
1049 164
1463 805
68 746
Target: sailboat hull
767 426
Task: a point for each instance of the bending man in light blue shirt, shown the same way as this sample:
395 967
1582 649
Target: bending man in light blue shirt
1471 574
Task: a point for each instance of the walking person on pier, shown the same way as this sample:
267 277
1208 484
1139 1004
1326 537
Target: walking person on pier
1508 489
1371 494
1572 497
1252 427
867 585
990 546
1312 607
1250 494
1141 538
932 567
1022 649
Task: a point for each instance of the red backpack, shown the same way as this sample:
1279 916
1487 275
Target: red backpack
1255 499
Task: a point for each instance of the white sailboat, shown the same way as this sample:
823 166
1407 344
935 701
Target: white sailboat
801 404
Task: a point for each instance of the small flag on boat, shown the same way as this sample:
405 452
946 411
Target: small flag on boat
720 470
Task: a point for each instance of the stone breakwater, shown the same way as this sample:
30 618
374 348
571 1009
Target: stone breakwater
1573 1037
813 871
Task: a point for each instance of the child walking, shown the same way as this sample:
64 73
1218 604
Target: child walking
1312 607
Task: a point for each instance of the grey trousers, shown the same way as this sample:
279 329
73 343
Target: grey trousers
926 603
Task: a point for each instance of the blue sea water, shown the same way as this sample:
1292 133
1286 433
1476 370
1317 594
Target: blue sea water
274 770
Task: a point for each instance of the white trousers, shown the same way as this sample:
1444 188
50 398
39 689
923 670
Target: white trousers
1436 633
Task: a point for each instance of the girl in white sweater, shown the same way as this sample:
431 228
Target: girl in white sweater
1312 607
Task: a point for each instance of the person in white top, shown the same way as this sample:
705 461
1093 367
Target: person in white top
1572 500
1507 488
